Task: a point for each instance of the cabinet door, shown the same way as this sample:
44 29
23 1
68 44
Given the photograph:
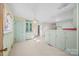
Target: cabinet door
20 30
60 39
52 37
71 42
47 36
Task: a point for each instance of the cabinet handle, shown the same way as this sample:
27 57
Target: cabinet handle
5 49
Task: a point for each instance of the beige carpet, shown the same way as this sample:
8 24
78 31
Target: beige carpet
35 47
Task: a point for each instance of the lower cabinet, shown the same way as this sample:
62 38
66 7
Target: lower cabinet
71 42
60 39
50 37
63 39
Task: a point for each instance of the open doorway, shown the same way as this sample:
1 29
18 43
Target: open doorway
38 30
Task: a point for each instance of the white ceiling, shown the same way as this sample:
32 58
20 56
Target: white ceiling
44 12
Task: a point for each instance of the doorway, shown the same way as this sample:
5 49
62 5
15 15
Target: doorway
38 30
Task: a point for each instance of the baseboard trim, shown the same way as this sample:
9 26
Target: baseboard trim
72 51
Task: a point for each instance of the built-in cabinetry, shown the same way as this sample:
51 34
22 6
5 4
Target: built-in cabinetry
23 29
60 39
71 41
19 28
63 39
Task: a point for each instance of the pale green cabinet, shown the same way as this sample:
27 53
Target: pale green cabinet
71 42
63 39
19 30
60 39
50 37
23 29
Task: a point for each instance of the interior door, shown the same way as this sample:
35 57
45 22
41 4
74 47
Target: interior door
1 29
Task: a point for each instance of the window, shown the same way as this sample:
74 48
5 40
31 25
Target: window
28 27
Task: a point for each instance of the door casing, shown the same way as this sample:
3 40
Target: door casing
1 28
